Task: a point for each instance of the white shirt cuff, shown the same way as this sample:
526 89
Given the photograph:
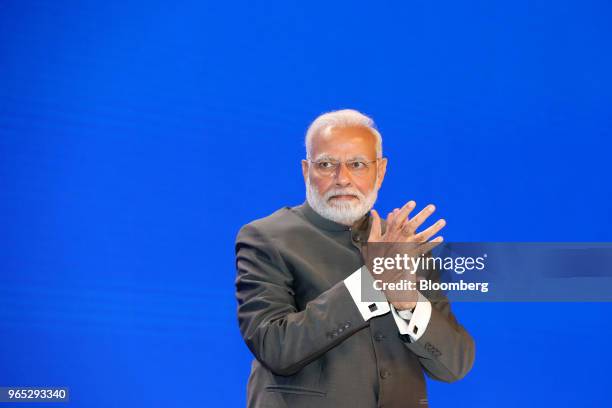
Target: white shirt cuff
367 309
413 323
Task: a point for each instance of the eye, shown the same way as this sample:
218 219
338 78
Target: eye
325 164
358 165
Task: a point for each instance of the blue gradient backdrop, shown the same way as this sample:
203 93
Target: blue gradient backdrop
137 137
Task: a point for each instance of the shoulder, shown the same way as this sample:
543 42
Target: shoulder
277 225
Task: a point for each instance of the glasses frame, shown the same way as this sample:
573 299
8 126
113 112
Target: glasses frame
341 162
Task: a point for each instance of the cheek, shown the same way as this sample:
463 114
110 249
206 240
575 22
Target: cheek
321 184
366 186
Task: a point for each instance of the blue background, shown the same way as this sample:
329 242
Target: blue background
137 137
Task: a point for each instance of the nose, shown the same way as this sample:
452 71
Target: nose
343 175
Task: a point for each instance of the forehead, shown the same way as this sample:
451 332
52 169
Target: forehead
344 142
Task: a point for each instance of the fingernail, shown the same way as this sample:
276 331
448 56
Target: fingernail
431 207
411 204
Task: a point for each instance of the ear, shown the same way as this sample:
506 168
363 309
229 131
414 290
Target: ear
305 170
382 170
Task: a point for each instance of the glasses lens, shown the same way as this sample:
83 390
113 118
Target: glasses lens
329 167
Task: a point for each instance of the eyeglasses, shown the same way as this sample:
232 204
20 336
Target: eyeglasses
328 167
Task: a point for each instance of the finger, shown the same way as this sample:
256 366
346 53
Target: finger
405 211
375 231
425 235
420 218
392 219
391 216
435 242
428 246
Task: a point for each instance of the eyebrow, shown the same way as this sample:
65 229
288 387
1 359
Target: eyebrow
325 156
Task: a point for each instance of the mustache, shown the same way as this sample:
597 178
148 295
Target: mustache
343 191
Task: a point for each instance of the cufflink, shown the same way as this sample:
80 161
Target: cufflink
373 307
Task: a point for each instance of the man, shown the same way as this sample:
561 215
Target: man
316 342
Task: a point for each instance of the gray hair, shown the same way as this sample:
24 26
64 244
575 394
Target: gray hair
342 118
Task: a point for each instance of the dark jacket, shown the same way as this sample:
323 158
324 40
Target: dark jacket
311 345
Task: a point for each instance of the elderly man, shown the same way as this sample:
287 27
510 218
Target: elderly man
316 342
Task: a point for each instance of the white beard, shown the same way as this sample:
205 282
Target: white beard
345 213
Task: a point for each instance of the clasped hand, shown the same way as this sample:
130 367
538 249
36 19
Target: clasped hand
401 239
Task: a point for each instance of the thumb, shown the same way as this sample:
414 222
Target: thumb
375 231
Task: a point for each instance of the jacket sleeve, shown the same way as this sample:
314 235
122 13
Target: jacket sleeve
446 350
281 337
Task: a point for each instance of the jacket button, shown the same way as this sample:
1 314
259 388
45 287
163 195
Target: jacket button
385 373
379 336
347 325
